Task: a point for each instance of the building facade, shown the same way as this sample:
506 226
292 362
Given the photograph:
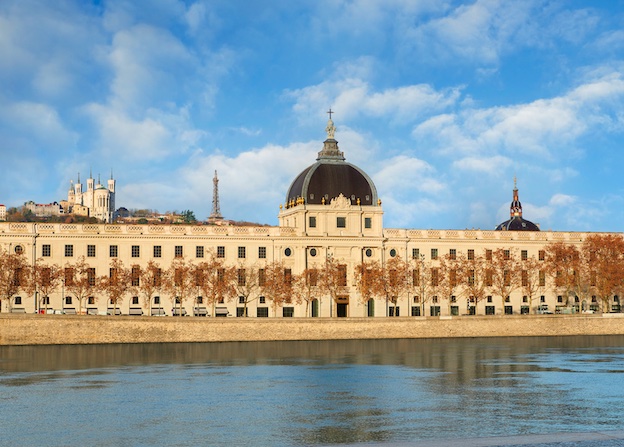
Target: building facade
331 211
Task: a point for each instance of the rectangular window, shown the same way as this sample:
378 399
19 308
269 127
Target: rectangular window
113 251
416 277
135 300
312 277
415 253
135 251
18 300
506 255
525 278
242 252
542 278
220 251
135 274
434 253
241 277
488 255
524 255
69 276
241 300
90 251
91 300
541 255
342 278
262 300
68 300
69 251
199 251
261 252
261 278
434 277
178 252
263 312
312 222
489 277
289 312
471 254
157 251
453 254
341 222
91 276
288 276
368 223
46 250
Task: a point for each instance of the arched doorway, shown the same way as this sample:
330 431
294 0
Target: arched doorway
315 308
370 305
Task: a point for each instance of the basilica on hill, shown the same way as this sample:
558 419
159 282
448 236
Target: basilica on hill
331 211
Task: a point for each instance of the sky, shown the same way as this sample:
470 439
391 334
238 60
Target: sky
443 103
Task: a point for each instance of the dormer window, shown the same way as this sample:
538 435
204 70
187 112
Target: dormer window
341 222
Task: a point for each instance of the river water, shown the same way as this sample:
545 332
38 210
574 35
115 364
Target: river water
308 393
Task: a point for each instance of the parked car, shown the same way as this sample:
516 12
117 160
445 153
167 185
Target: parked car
543 309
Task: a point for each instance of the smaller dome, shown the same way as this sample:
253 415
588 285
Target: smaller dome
516 222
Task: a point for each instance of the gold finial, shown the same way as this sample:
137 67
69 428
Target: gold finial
358 200
323 201
378 202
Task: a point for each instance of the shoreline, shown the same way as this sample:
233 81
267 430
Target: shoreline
32 329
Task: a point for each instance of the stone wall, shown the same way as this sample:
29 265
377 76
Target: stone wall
72 329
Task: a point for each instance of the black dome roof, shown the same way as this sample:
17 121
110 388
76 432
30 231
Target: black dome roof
516 221
331 176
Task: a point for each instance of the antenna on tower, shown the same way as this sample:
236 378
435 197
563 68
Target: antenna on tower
216 211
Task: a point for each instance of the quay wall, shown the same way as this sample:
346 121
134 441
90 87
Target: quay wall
85 329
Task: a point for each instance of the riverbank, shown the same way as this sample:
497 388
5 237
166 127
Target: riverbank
84 329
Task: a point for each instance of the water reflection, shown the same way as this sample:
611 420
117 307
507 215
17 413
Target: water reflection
307 393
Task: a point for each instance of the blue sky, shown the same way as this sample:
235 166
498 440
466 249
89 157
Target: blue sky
442 103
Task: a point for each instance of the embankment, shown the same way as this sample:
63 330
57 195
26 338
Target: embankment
75 329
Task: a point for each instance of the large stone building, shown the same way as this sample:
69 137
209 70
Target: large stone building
331 210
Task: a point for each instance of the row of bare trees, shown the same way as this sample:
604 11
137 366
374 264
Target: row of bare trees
594 268
184 280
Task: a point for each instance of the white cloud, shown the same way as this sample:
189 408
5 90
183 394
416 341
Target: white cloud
355 97
494 164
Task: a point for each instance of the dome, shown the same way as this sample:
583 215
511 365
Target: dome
516 221
330 177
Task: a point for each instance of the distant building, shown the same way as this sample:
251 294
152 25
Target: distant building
97 201
44 210
2 212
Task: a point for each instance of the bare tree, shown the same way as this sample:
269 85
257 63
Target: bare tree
215 281
365 275
80 280
562 264
421 281
532 279
179 283
605 264
450 277
44 280
476 278
13 277
247 284
278 284
305 287
150 283
116 283
333 279
505 277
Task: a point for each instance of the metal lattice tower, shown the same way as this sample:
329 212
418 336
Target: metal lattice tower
216 210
